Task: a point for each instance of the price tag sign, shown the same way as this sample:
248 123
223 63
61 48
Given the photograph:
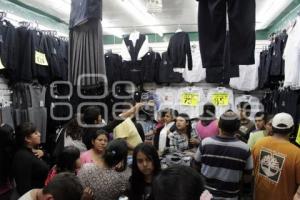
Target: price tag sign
220 99
40 58
298 136
189 99
1 65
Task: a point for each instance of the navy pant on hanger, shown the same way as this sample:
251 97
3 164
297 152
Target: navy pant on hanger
212 31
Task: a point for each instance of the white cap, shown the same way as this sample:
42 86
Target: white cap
282 121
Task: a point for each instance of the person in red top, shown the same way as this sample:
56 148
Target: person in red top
277 163
68 161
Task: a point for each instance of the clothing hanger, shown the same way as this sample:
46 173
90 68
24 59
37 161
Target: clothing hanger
36 84
3 15
178 29
24 24
109 51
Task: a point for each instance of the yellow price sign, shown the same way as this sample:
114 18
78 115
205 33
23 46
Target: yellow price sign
189 99
298 136
220 99
40 58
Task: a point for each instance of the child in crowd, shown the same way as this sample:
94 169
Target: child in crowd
68 161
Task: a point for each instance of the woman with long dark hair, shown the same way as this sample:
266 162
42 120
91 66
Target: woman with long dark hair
29 171
109 181
99 141
183 138
145 166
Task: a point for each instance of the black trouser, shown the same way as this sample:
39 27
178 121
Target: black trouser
222 74
212 31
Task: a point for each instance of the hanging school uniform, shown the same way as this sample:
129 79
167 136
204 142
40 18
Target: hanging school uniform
134 47
179 49
86 44
7 48
113 64
150 63
37 113
222 98
166 73
40 58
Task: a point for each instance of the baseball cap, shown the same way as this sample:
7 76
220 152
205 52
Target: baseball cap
282 123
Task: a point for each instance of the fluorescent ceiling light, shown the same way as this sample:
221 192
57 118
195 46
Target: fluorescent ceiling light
139 12
268 12
108 27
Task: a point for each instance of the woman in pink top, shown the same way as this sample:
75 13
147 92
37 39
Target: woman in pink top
99 143
208 124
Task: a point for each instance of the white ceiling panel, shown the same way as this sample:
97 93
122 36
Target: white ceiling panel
123 16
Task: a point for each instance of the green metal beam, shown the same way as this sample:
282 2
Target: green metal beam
287 15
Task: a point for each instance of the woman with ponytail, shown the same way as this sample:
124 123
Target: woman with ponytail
110 181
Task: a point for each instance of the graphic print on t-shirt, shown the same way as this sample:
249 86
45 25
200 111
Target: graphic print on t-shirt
271 164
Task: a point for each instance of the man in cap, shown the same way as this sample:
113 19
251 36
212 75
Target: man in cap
277 163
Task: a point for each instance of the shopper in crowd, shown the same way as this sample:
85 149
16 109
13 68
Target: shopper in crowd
257 135
6 158
29 170
109 181
260 120
64 186
179 182
70 135
168 116
93 121
67 161
183 138
246 125
225 160
73 134
208 124
145 166
160 122
128 129
99 141
277 163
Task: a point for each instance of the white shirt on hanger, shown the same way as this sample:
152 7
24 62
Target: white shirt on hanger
198 73
292 57
248 79
222 98
167 97
190 100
